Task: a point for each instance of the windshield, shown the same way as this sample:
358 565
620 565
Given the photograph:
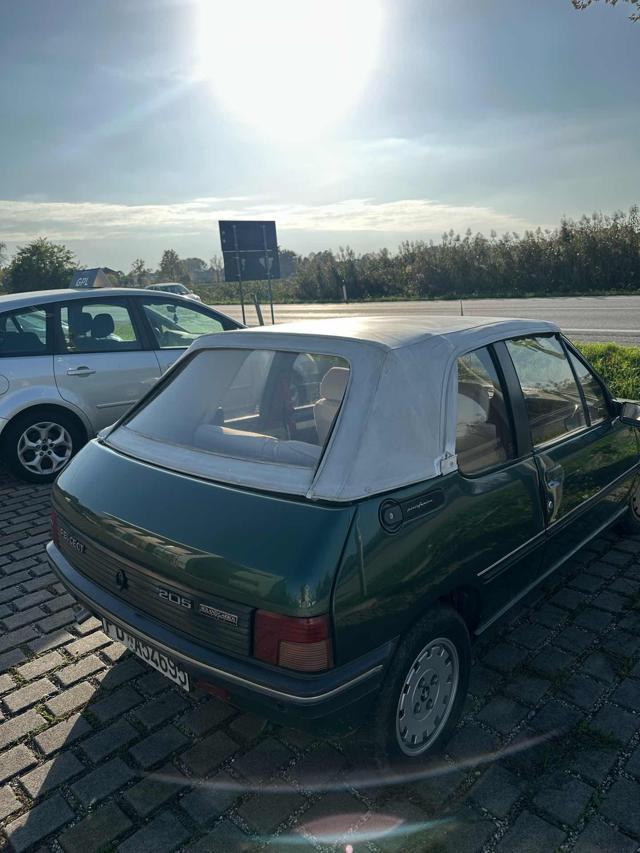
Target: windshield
260 405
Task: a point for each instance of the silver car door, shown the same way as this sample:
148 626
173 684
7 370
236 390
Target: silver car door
100 364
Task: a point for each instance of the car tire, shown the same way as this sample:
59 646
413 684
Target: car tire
424 691
38 445
631 519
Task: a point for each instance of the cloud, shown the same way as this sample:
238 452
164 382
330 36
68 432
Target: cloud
22 221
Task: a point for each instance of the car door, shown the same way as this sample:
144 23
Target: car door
498 513
175 324
586 457
101 363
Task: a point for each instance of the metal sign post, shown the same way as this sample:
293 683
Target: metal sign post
239 273
267 266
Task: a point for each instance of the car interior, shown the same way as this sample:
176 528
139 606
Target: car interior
16 339
86 331
268 406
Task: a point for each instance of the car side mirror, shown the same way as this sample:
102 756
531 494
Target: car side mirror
630 412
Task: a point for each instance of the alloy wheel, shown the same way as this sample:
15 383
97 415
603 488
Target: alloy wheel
44 448
427 696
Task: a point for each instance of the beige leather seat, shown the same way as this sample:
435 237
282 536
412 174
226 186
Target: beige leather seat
477 444
332 390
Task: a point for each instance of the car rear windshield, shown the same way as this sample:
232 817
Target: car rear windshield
259 405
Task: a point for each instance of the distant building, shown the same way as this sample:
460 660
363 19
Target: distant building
98 277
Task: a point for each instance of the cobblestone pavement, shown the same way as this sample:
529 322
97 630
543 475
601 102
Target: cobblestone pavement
99 752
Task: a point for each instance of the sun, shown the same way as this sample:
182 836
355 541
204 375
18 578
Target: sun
289 68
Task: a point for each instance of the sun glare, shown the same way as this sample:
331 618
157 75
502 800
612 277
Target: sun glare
288 67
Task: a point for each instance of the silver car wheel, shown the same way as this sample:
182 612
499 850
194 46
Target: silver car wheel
427 696
45 448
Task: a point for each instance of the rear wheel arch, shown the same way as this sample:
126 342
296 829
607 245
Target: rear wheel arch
467 602
440 627
39 441
48 408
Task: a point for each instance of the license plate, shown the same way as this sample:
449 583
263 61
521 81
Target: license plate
147 653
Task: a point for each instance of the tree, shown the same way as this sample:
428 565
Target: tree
634 16
171 266
192 270
192 265
288 262
3 258
42 265
139 272
216 265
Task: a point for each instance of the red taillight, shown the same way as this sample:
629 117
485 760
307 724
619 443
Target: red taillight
55 532
297 643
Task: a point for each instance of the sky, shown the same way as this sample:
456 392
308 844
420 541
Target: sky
132 126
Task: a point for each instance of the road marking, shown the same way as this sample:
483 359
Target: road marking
631 332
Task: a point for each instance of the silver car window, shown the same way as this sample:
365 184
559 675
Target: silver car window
97 326
24 332
177 325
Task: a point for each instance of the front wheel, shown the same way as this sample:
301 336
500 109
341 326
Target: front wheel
631 519
37 446
424 691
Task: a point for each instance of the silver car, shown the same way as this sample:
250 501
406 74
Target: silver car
73 361
174 287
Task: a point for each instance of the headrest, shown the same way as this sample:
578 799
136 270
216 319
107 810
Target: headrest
333 383
475 391
102 326
81 323
470 411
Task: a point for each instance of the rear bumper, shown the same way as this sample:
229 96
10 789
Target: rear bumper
282 696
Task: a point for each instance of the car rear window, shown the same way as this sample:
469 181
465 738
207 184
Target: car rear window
258 405
24 332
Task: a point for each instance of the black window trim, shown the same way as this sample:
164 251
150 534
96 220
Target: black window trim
494 355
585 408
60 347
603 385
579 431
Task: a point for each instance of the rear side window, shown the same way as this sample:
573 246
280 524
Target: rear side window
24 332
552 398
258 405
597 407
98 327
484 436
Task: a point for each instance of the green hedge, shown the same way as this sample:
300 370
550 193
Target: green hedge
618 365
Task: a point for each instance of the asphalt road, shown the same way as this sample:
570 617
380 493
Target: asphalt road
587 318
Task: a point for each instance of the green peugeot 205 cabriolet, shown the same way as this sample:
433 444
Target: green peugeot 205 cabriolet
328 551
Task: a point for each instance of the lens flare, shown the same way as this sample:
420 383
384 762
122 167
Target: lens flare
290 67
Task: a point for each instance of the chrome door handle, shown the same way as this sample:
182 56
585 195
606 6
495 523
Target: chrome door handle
554 476
80 371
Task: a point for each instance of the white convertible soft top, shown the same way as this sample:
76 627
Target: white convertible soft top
397 422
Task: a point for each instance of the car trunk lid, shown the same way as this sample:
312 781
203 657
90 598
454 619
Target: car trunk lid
197 555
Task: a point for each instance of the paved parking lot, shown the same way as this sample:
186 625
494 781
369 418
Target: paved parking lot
100 753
